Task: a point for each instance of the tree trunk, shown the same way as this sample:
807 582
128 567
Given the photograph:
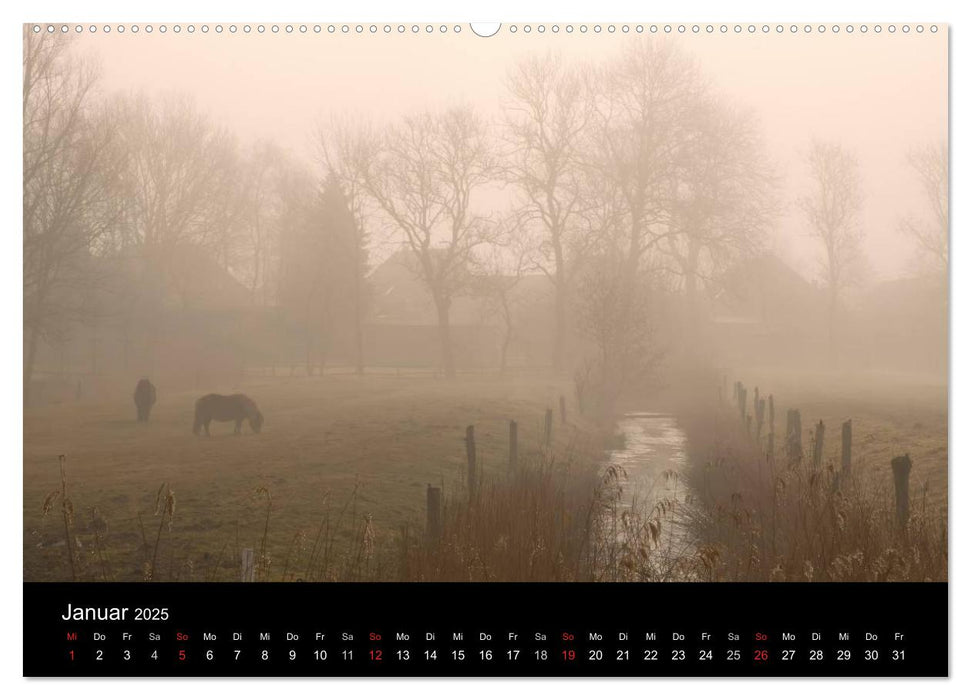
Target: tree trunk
559 320
358 315
503 353
29 360
507 333
691 298
444 336
833 302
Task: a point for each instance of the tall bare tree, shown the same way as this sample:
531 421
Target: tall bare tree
423 178
71 195
722 200
185 190
644 104
347 150
617 318
832 208
261 200
545 123
930 163
644 101
501 269
310 287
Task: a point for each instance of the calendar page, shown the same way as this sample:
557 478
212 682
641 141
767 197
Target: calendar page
519 349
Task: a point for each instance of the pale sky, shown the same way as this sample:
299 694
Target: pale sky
879 95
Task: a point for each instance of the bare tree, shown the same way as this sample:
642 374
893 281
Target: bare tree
930 164
71 164
306 292
261 202
423 178
545 123
722 199
501 269
617 319
347 150
185 194
832 209
646 100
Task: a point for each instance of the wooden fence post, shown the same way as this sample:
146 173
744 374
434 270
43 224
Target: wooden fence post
742 401
562 409
770 448
513 445
794 435
433 514
818 445
759 417
548 435
248 568
470 456
901 486
846 458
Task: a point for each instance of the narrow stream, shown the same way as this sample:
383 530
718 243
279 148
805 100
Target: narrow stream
654 463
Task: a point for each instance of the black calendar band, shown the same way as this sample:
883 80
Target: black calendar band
477 629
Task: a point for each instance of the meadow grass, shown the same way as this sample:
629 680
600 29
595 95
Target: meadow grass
335 451
334 489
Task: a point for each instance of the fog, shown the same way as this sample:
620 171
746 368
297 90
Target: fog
266 119
879 94
363 249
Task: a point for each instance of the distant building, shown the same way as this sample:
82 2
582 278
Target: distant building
401 328
767 313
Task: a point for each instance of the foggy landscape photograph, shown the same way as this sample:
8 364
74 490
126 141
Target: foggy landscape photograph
406 303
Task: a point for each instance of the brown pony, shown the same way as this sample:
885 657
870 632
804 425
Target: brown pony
144 398
237 407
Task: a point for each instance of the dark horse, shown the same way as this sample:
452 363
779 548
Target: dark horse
237 407
144 399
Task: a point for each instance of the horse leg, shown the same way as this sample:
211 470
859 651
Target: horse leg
206 424
239 426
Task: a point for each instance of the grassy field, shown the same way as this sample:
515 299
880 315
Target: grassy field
334 486
335 448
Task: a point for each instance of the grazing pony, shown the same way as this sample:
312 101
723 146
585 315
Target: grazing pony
236 407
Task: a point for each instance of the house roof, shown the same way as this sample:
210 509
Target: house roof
401 297
763 289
